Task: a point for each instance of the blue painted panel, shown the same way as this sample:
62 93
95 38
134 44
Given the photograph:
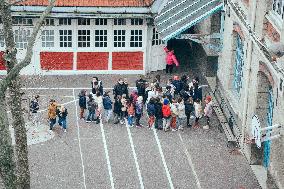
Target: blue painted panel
267 144
239 62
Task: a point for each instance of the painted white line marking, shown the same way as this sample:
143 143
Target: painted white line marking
60 104
106 152
190 163
134 155
163 160
65 88
79 140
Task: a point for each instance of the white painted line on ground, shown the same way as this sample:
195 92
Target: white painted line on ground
134 155
107 156
79 140
163 160
190 163
59 104
65 88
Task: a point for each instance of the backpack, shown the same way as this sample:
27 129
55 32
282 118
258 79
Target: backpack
166 111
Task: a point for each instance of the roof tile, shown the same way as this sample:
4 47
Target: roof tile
91 3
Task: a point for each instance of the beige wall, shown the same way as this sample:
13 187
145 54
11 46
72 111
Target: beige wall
226 62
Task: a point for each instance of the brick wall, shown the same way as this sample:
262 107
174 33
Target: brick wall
271 32
92 60
2 64
56 60
127 60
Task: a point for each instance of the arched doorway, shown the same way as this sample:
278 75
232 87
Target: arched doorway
264 111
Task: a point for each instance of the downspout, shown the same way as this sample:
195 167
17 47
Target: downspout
248 75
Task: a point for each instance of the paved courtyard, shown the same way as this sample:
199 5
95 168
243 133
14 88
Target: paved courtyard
104 155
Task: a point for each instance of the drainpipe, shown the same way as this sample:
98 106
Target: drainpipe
248 75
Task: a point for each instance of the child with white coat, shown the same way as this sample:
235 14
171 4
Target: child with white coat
181 113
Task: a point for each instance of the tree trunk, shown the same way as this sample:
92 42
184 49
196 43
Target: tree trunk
21 146
7 165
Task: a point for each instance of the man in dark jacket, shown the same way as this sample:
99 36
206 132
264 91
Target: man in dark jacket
141 86
97 85
178 85
120 88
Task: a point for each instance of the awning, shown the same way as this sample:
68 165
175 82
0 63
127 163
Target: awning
179 15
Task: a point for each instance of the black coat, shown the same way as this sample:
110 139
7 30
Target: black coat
120 89
141 85
158 112
82 102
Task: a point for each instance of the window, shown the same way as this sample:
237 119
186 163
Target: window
119 38
136 38
136 21
2 41
21 38
83 21
47 38
155 38
239 62
119 21
100 38
49 22
278 7
84 38
22 21
65 38
101 21
64 21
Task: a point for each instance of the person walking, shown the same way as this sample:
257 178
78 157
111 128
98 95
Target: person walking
120 88
208 111
174 113
107 106
82 103
166 115
51 113
188 104
158 114
117 109
99 101
181 113
139 110
151 112
62 115
97 85
171 60
198 113
91 109
130 112
34 107
141 86
123 109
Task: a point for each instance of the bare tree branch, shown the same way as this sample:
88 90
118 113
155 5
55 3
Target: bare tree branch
17 68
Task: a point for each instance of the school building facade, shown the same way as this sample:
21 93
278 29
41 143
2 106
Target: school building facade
89 37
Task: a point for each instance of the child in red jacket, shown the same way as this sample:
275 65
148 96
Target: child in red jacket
166 109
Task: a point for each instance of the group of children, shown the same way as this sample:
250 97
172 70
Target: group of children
166 109
54 111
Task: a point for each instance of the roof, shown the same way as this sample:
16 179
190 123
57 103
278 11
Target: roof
179 15
91 3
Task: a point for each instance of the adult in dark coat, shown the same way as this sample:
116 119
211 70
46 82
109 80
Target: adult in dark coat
120 88
97 85
141 86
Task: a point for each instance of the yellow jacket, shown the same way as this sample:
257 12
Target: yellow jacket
52 111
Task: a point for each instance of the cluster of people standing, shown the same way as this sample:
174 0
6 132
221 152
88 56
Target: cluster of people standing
169 107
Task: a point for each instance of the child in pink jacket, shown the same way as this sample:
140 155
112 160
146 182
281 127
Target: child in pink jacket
171 60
